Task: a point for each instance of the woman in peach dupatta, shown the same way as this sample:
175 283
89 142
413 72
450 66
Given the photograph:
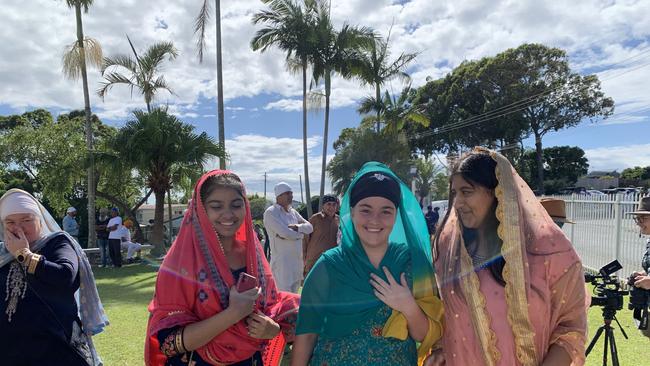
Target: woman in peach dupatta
511 283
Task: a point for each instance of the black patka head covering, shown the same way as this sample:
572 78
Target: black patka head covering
375 184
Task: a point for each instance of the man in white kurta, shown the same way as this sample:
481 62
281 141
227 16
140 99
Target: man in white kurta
286 229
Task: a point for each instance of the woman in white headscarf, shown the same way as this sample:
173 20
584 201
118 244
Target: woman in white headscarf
49 306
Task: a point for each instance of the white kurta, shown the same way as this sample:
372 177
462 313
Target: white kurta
286 246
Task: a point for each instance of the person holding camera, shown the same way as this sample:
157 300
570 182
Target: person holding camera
216 301
641 279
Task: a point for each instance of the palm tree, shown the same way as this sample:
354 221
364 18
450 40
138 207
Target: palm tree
74 65
200 25
396 111
335 51
290 27
427 171
375 69
156 145
142 72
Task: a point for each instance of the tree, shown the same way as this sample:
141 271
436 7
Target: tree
559 98
467 108
258 206
74 65
563 165
52 156
153 144
290 27
397 111
441 187
356 146
335 51
200 25
142 72
636 173
35 118
427 170
375 69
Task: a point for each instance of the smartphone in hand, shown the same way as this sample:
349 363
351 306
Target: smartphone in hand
246 282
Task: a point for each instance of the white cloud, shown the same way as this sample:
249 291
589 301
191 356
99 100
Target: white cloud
618 157
281 158
287 105
596 34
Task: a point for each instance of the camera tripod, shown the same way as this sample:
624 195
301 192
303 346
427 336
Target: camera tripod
608 316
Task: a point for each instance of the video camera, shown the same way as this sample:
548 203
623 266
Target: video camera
607 287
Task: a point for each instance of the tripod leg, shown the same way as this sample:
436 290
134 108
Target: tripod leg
612 346
595 339
607 330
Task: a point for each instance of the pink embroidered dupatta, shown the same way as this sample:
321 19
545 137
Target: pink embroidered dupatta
544 295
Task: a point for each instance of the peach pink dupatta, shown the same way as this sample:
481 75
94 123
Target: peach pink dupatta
543 302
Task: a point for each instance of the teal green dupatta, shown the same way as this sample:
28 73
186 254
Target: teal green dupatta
337 295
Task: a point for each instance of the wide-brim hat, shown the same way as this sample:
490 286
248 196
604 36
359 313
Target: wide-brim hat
556 208
644 207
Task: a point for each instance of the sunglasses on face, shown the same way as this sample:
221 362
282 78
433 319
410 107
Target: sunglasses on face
641 219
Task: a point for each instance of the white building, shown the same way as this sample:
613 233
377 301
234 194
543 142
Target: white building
147 212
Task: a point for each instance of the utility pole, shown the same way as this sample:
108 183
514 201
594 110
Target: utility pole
301 199
265 176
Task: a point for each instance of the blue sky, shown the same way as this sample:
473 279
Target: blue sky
263 117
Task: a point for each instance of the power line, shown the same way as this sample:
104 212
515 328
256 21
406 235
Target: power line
523 103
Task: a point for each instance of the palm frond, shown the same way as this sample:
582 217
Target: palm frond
72 57
113 78
161 83
155 54
200 25
120 61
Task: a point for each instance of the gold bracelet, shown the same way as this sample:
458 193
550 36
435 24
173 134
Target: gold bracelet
22 255
180 346
33 263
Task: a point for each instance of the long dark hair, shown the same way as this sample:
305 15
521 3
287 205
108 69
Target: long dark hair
478 168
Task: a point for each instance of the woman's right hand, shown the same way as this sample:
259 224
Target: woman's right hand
242 304
436 358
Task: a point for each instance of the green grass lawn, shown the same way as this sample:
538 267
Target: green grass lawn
126 292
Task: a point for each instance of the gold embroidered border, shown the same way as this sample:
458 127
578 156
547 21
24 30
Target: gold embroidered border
514 271
478 306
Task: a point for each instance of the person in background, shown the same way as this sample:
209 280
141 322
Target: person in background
70 225
101 228
131 247
556 208
49 306
641 278
286 230
432 217
326 226
114 238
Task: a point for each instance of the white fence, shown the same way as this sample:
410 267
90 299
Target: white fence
604 232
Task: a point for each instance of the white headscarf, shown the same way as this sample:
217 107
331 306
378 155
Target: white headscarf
17 201
91 310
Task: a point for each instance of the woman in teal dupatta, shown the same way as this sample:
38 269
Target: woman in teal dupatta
372 300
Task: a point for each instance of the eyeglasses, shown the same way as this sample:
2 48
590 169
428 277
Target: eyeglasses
640 219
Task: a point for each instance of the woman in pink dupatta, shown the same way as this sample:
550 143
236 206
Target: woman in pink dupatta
511 283
197 315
